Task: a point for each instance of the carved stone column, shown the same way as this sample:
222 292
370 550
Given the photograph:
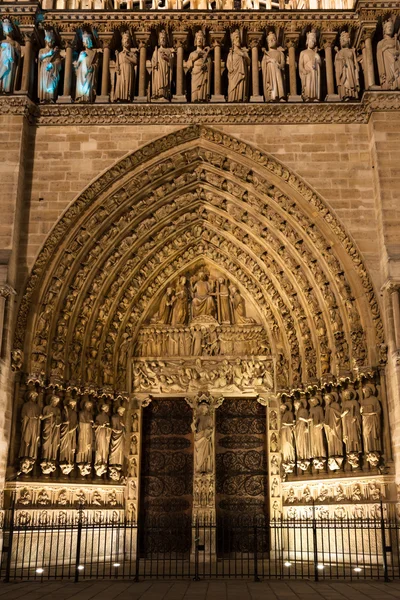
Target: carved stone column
105 75
328 39
217 95
5 292
142 94
291 43
180 88
66 97
27 70
368 34
255 69
393 290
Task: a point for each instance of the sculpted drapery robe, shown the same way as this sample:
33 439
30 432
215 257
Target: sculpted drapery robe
310 74
371 424
68 435
30 433
198 64
273 65
317 431
302 434
51 432
346 70
49 73
86 75
388 57
333 429
352 426
102 437
203 445
161 64
237 64
125 74
287 438
203 302
9 54
85 437
117 440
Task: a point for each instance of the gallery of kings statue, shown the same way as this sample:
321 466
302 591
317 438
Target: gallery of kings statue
199 260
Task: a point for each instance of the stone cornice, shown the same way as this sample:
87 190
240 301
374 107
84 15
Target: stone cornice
207 114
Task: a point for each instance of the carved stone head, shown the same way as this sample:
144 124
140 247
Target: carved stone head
311 39
50 38
54 400
344 39
199 39
271 40
121 410
7 27
87 40
126 40
388 28
162 39
235 38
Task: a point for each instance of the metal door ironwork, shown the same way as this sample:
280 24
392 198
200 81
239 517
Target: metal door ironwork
166 477
241 476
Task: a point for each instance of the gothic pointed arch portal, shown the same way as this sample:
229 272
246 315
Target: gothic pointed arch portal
200 264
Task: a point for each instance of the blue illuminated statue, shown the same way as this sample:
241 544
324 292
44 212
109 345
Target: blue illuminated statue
86 68
49 69
10 51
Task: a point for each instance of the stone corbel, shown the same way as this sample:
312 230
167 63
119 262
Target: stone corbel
328 38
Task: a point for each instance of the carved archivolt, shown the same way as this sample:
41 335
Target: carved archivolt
197 197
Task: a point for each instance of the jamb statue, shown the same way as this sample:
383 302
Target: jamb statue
198 63
51 417
125 63
161 69
10 52
102 439
86 68
273 69
388 57
310 69
30 434
237 64
371 424
346 68
69 428
49 61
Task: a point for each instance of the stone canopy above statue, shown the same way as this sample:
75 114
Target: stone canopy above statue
205 298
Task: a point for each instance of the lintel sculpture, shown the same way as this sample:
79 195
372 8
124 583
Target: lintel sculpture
86 69
310 69
347 70
49 62
10 52
273 69
388 57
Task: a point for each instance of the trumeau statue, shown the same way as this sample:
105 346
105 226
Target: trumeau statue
30 433
10 52
388 57
125 63
68 437
49 61
273 69
161 69
198 64
237 64
310 69
203 428
102 439
346 68
86 68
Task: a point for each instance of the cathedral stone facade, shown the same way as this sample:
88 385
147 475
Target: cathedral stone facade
199 259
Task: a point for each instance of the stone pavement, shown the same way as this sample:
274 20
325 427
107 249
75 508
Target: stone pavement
202 590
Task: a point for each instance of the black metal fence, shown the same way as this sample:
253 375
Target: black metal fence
35 548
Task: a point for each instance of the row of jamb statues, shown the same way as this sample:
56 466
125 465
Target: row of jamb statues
199 65
60 433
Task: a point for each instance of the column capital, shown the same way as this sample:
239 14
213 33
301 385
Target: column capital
105 41
291 39
327 38
6 290
391 286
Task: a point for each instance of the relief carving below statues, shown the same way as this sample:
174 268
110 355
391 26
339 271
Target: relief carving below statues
347 69
10 52
388 57
199 65
310 69
86 68
238 65
273 70
125 63
161 69
49 61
